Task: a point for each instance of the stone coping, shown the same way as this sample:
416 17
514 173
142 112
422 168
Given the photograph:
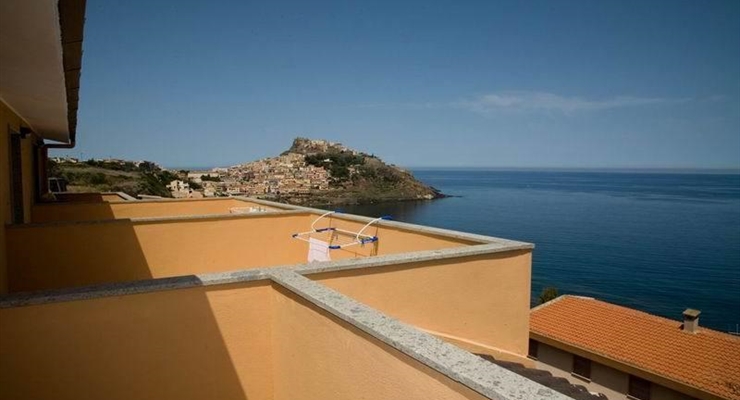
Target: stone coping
154 220
459 365
479 375
127 199
122 195
408 258
286 209
23 299
482 245
289 207
448 233
243 275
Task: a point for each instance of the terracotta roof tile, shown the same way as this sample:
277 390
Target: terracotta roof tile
708 360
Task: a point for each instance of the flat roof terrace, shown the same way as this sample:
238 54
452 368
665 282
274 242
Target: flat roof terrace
212 297
139 243
259 334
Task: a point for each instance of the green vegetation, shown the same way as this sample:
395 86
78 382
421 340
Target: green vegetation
338 163
208 178
381 175
368 169
548 293
114 176
194 185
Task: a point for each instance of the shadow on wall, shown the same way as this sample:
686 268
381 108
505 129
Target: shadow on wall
72 210
98 211
71 255
75 197
480 302
320 356
196 343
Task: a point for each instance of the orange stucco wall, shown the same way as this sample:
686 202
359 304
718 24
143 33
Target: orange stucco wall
89 253
77 254
90 211
112 197
9 120
319 357
392 240
480 303
247 341
89 197
199 343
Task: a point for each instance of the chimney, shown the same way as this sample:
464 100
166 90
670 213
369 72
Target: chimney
691 320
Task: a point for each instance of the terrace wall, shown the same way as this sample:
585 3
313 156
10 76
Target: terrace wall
78 254
198 343
10 121
318 356
480 303
251 340
393 239
102 210
69 254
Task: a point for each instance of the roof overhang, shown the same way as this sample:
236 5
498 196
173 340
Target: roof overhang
41 59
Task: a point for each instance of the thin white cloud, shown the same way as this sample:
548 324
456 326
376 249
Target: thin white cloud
523 101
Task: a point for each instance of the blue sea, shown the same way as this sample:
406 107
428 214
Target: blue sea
657 242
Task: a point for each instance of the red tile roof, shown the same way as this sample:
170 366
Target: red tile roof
707 360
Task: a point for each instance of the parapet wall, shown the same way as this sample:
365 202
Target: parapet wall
319 356
193 343
473 301
94 252
275 327
87 253
269 334
102 210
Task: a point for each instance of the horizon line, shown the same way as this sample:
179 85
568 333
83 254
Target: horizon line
732 170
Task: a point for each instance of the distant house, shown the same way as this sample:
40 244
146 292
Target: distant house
625 353
178 186
197 176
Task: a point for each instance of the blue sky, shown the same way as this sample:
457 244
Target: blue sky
418 83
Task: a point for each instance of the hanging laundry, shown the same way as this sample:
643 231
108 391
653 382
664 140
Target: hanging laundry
318 250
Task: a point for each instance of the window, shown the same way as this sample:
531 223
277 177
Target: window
533 348
582 367
639 388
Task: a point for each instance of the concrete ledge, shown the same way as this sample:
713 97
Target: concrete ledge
491 246
132 199
122 195
243 275
412 257
472 371
399 225
290 209
128 288
156 220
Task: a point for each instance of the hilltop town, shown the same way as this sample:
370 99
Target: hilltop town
310 172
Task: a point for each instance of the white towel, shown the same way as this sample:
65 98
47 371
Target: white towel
318 250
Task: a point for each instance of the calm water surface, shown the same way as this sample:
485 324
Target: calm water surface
658 242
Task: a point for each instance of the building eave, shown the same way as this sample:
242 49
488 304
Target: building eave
72 23
41 53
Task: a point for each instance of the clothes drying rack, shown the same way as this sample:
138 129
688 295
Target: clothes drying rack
338 238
